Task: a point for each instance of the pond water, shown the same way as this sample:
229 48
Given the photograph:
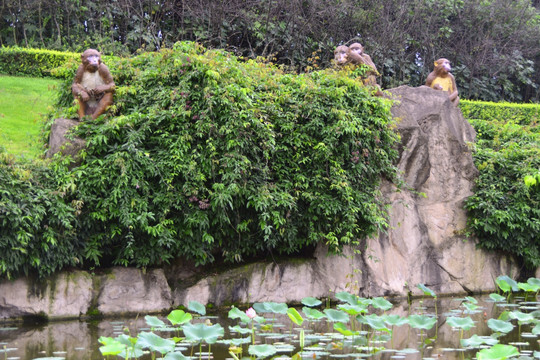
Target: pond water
79 340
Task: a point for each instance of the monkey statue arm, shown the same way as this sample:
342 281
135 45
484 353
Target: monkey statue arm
109 85
453 96
77 89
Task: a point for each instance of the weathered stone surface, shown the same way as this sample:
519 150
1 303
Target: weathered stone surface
58 142
67 294
128 290
424 243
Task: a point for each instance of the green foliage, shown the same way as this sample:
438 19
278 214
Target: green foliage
205 155
37 224
32 62
504 212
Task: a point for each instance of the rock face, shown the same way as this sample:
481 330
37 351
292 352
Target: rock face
58 142
423 244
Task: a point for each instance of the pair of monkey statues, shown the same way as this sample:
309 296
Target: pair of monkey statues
439 79
93 86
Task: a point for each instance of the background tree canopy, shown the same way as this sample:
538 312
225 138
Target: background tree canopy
494 45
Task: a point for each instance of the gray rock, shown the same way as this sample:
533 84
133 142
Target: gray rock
59 142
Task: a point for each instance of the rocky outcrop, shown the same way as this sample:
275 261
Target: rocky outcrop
61 141
423 244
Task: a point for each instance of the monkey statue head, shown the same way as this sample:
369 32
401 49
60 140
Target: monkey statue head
91 59
442 67
356 48
341 55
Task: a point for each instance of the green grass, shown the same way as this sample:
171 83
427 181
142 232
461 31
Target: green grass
23 100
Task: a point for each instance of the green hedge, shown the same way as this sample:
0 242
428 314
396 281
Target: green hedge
18 61
504 212
205 156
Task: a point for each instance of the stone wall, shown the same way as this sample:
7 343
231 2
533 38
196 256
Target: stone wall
424 243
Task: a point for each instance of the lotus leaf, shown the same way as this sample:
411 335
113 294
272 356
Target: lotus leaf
353 309
374 321
395 320
534 281
500 325
197 307
476 341
422 321
311 301
175 356
461 323
522 317
262 351
153 321
347 297
496 297
336 315
381 303
179 317
153 342
295 316
240 329
506 283
202 332
497 352
344 330
426 290
236 313
312 313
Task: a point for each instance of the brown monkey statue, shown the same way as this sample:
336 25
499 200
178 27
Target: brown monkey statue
341 55
357 56
441 79
93 85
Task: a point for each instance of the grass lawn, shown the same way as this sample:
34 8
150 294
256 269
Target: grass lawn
22 102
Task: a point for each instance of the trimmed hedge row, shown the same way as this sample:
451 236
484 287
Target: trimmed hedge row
523 114
18 61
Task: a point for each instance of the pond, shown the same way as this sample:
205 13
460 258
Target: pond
423 329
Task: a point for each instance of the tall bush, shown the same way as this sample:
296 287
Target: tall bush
504 212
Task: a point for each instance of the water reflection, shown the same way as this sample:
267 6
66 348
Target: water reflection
79 340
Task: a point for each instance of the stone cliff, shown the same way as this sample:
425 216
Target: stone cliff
423 244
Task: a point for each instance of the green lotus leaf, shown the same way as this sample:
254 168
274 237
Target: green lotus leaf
175 356
497 352
336 315
311 301
374 321
202 332
342 328
149 340
470 306
312 313
153 321
347 297
353 309
277 308
197 307
506 283
262 351
471 299
460 323
240 329
528 287
132 352
179 317
422 321
536 329
476 341
500 325
426 290
395 320
496 297
295 316
236 313
113 349
381 303
522 317
534 281
126 340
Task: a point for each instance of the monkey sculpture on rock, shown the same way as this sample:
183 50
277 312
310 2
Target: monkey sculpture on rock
441 79
93 86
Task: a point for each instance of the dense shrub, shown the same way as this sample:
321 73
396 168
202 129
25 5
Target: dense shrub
36 224
204 155
504 212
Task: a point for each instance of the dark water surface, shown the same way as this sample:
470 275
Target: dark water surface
79 340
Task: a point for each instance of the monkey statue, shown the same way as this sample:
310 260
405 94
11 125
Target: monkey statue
341 54
441 79
93 86
357 56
